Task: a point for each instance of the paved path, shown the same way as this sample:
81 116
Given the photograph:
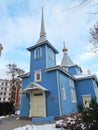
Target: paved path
11 123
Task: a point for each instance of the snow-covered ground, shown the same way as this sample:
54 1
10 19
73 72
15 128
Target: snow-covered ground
38 127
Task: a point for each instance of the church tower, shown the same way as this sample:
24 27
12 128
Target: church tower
43 53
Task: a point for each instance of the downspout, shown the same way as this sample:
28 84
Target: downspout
59 94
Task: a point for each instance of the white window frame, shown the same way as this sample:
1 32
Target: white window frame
73 96
86 105
35 53
71 82
51 54
63 93
35 75
95 89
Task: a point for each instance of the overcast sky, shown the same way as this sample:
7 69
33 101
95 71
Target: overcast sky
20 27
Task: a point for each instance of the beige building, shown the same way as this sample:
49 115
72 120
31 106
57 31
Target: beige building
8 93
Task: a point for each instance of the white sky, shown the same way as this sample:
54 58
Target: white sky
20 28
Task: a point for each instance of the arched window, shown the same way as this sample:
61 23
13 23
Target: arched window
63 93
38 53
51 54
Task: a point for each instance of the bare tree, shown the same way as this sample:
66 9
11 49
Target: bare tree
94 37
14 71
1 48
88 3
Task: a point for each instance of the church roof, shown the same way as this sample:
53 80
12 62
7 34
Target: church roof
66 61
61 69
42 43
85 76
33 86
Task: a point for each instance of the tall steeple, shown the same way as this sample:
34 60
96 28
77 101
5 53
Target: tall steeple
42 31
66 61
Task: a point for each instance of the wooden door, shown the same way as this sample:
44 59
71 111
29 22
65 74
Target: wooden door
38 103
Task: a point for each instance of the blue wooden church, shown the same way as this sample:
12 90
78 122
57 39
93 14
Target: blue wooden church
50 89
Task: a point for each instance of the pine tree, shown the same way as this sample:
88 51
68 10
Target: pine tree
90 115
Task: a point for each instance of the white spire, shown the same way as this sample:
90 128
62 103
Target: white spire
42 32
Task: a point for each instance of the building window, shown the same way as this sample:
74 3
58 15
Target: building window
51 54
38 53
96 89
63 93
71 82
73 96
37 76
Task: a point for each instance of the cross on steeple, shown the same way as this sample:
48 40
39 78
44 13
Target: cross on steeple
64 49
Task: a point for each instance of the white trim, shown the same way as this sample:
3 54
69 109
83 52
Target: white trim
86 95
59 93
46 56
63 93
35 53
87 103
44 104
71 82
30 106
73 96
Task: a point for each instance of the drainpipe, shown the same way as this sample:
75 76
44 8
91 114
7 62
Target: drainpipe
59 94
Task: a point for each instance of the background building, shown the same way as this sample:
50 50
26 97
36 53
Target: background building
6 91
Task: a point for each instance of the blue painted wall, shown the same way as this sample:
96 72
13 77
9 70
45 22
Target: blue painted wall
25 106
67 105
48 81
84 87
74 70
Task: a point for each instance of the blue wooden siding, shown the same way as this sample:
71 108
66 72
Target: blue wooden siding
25 106
84 87
50 62
67 105
72 70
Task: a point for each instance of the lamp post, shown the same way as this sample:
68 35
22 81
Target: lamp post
1 48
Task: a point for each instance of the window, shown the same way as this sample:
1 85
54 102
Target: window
37 52
73 96
37 76
51 54
71 82
63 93
96 89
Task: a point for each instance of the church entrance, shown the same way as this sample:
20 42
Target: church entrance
37 103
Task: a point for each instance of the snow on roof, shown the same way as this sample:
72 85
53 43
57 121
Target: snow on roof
33 86
85 76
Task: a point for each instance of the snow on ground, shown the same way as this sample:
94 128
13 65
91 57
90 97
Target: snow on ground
2 117
38 127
